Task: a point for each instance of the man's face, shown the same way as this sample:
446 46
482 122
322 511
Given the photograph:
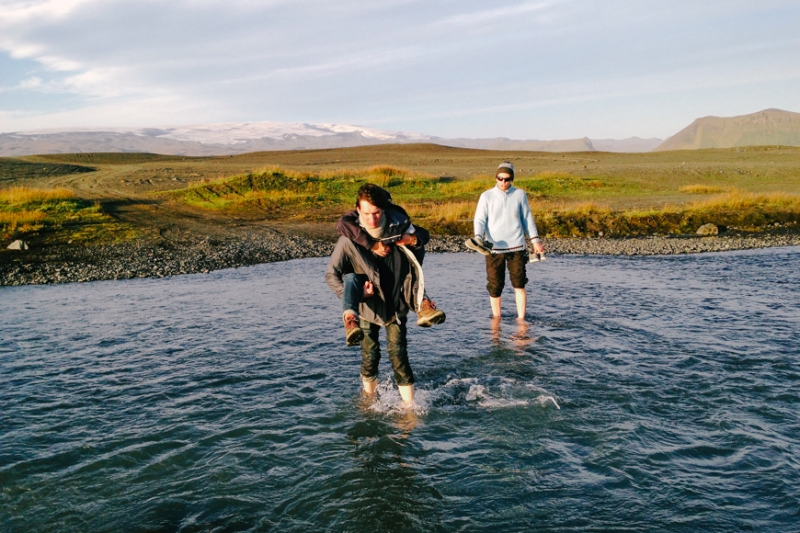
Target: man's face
504 181
369 214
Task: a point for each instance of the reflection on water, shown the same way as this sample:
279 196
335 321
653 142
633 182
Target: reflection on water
519 339
644 394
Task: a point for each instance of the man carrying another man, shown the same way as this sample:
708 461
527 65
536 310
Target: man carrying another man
379 281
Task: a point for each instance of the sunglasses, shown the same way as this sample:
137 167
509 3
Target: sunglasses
505 179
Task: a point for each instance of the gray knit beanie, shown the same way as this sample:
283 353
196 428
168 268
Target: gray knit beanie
505 168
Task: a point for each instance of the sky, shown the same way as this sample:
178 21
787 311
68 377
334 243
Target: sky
545 70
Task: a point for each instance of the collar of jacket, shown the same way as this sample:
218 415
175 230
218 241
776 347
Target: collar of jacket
509 191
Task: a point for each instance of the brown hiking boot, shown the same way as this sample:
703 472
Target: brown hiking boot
429 314
352 330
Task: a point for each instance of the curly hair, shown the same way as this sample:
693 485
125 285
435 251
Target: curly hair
377 196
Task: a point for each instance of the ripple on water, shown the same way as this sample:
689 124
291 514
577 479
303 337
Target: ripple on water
642 394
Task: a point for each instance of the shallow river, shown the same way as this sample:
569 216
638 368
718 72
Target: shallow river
647 394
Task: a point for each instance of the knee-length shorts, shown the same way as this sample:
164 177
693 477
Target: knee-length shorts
496 271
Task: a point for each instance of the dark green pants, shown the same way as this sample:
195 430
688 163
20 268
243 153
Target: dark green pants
396 347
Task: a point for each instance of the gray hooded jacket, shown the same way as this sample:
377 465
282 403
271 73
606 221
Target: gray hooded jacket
348 257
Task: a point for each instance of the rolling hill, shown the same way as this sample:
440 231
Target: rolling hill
768 127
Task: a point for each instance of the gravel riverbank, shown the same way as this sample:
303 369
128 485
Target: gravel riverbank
67 264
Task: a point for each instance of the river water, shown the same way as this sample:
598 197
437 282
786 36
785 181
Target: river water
646 394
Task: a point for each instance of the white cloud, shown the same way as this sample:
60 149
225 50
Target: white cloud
31 83
433 64
22 12
494 15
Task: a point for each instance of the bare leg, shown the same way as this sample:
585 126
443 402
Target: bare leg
370 386
522 302
495 305
407 393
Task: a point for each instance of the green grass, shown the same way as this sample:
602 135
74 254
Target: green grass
580 193
56 215
278 191
737 210
564 205
702 189
283 193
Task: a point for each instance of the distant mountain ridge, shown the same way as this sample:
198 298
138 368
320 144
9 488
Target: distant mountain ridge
767 127
238 138
200 139
632 144
501 143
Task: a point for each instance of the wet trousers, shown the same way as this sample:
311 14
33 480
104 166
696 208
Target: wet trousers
396 347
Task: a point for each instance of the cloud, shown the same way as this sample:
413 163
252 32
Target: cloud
497 15
409 62
31 83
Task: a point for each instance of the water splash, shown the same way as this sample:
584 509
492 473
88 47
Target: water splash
154 401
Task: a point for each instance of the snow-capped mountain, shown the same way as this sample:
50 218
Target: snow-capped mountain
240 137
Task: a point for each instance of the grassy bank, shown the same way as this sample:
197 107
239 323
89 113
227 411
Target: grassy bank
304 191
565 205
746 212
56 216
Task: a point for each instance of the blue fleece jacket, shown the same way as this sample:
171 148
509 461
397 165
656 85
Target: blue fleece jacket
504 219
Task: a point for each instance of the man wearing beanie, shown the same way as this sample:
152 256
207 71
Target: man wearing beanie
503 224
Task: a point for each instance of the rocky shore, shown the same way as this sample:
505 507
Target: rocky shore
162 258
